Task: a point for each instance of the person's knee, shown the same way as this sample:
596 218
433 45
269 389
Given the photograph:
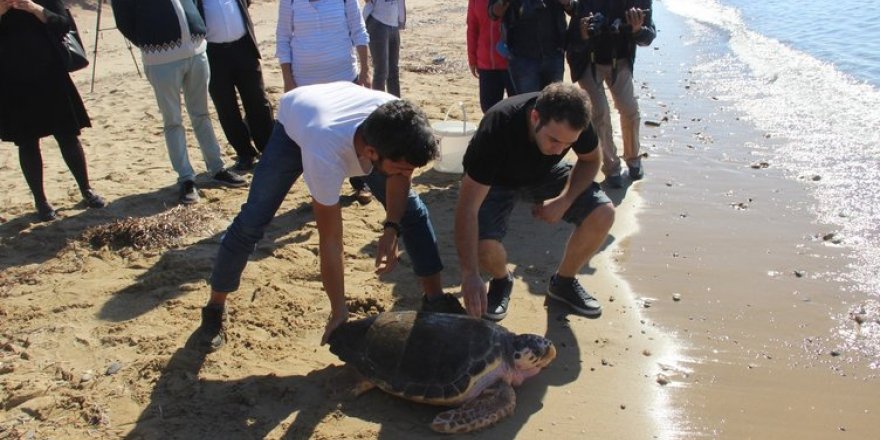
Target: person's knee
602 218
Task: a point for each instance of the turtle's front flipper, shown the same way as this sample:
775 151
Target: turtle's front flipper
494 404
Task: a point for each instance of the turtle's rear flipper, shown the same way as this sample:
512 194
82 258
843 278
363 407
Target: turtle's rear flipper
487 409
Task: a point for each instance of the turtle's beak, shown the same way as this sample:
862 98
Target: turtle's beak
549 355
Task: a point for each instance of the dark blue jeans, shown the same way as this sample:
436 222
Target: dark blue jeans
279 167
493 84
533 74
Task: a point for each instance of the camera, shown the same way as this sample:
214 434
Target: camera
596 24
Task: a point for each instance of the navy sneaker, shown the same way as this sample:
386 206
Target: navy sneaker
614 181
446 303
499 298
570 291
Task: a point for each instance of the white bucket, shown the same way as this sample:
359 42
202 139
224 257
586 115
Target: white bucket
454 138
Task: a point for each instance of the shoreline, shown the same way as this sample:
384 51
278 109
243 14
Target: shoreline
763 320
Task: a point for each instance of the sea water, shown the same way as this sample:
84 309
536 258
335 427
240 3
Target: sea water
808 73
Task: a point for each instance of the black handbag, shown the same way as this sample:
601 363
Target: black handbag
74 56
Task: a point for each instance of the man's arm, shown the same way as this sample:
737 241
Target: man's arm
396 193
470 197
329 221
283 34
582 176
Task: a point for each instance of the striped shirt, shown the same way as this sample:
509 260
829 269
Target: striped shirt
317 39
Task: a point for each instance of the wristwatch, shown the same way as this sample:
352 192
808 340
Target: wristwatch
392 225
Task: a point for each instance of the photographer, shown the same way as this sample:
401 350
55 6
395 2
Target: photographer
535 40
601 49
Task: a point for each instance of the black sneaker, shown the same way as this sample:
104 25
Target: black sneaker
446 303
188 193
636 173
498 298
570 291
245 164
213 328
93 200
229 178
45 212
614 181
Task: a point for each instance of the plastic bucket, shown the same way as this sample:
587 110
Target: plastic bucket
454 139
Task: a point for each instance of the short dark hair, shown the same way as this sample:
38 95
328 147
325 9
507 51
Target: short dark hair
400 130
561 102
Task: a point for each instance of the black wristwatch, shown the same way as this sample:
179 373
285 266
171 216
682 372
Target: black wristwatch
392 225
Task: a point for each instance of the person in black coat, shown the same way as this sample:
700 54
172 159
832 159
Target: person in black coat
235 64
37 96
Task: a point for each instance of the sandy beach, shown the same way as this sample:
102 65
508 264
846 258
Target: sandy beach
93 340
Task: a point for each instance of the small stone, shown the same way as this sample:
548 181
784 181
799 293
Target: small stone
113 368
835 353
676 297
663 379
651 123
87 377
646 352
622 406
611 298
647 304
605 362
816 178
799 273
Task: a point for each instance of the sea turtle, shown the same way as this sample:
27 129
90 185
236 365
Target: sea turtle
440 359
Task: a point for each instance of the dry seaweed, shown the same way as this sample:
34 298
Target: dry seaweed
158 231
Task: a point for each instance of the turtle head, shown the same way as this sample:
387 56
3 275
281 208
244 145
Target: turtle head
532 352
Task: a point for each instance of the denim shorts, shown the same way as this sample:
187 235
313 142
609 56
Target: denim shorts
495 211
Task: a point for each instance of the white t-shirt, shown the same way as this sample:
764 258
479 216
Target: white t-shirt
322 120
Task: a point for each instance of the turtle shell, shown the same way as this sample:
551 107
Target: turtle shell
427 357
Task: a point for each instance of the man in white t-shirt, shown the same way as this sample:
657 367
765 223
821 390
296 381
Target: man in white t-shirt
327 133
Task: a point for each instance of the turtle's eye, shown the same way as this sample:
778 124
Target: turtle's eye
517 355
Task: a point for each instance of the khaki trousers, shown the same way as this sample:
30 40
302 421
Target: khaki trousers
600 115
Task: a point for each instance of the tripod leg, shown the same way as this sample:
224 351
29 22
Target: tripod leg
95 51
133 58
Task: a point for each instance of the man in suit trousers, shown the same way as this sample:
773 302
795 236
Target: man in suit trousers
235 64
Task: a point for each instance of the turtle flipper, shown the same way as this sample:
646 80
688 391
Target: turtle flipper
494 404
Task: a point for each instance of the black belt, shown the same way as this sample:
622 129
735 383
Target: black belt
229 44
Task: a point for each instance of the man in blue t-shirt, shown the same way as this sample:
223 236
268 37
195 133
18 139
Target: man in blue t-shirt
516 154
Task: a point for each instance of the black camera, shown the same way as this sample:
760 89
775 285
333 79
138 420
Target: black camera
596 24
618 26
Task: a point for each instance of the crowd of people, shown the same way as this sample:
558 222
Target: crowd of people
336 121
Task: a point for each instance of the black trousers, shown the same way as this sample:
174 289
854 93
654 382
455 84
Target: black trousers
235 66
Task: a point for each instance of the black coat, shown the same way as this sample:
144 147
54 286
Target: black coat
37 96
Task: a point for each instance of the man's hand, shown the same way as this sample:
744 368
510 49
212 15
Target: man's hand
551 210
26 5
364 78
474 72
335 320
386 255
473 289
635 17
